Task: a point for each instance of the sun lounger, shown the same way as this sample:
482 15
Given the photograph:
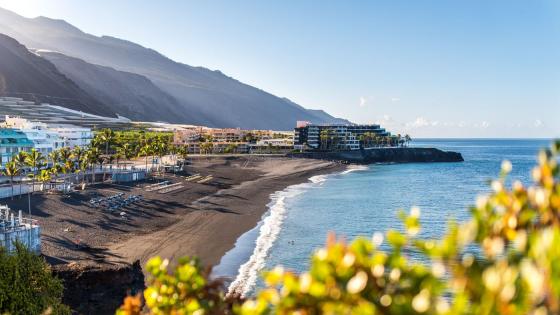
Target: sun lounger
156 186
193 178
164 187
188 178
170 189
206 179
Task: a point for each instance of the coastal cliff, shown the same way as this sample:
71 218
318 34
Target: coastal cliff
385 155
99 289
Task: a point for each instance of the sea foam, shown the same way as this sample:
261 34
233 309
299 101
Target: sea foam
270 229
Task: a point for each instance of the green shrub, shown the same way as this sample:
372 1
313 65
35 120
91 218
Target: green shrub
27 285
504 260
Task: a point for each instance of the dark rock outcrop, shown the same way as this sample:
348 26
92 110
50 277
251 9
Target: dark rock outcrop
99 289
385 155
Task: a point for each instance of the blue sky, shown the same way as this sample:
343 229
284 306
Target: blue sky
428 68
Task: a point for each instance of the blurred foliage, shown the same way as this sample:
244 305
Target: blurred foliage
27 285
504 260
187 291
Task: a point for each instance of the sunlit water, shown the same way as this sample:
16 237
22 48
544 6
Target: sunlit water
367 200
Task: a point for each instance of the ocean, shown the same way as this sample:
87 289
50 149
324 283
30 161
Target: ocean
367 199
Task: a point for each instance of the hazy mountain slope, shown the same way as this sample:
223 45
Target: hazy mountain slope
322 115
27 75
205 96
129 94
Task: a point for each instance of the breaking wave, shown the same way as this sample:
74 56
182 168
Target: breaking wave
271 226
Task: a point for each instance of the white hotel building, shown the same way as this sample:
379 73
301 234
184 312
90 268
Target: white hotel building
73 136
47 138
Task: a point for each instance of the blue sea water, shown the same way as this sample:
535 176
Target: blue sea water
367 200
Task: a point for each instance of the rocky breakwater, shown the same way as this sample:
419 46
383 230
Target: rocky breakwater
99 289
385 155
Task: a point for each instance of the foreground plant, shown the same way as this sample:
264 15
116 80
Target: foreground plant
187 291
27 285
504 260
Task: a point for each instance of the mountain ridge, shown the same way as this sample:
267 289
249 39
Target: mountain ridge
23 73
130 95
205 97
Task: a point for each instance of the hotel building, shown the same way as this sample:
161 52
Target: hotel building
12 141
49 137
339 137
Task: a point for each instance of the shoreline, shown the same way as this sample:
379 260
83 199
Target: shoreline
217 221
240 266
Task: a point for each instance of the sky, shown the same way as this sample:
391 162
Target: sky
476 69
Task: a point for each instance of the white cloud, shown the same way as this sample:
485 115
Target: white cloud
363 101
419 122
395 99
424 122
538 123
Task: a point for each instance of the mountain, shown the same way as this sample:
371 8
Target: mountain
27 75
131 95
203 96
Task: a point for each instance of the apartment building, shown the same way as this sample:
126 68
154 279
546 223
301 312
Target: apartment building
73 136
49 137
44 139
333 137
12 141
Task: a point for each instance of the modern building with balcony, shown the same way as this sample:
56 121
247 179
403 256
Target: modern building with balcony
308 136
44 140
50 137
73 136
12 141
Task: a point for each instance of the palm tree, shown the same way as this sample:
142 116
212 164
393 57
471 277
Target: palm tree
377 140
91 157
182 151
206 147
106 136
324 137
400 140
65 154
101 159
145 151
118 156
231 148
127 150
123 152
160 148
12 170
20 158
82 167
34 160
67 166
54 156
44 176
407 139
77 156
